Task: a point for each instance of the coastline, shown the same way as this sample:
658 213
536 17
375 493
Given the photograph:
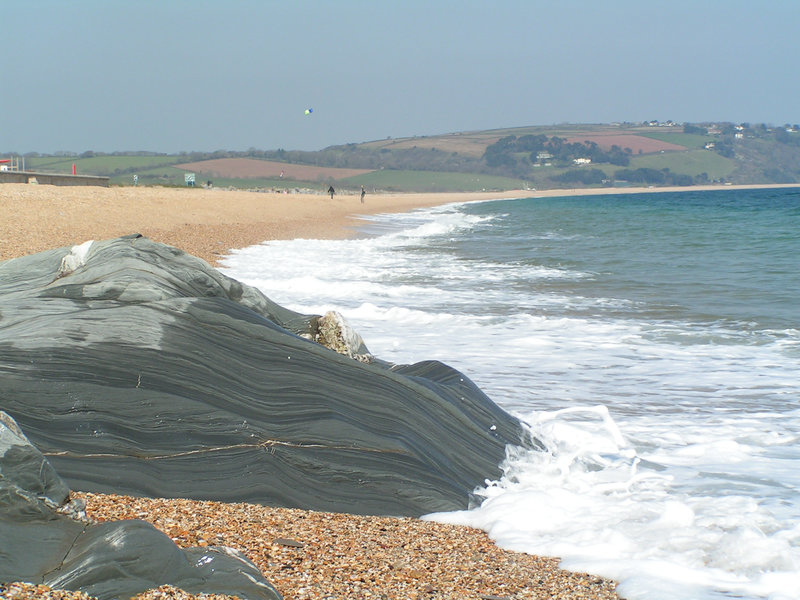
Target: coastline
431 565
204 223
327 554
210 223
317 555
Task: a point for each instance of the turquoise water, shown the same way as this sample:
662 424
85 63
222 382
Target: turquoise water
703 257
651 341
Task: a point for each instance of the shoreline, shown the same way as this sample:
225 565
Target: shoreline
343 554
210 223
313 555
205 223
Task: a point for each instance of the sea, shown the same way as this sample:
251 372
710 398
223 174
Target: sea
651 341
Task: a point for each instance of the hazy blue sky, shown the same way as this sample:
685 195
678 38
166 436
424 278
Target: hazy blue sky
174 75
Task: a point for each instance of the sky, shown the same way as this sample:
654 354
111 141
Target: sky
205 75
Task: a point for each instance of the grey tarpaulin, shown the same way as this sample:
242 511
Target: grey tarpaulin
139 369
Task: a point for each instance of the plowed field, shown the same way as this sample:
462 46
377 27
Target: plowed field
634 142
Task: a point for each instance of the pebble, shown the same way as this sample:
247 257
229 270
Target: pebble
310 555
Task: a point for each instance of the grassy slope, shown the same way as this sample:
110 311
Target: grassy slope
690 140
690 162
98 165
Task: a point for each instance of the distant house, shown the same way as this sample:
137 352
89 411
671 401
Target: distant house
543 156
582 161
709 145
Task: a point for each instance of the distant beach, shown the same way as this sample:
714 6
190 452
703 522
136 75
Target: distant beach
204 222
209 222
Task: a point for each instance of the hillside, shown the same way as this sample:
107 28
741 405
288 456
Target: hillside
541 157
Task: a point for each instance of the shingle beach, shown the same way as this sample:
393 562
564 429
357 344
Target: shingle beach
304 554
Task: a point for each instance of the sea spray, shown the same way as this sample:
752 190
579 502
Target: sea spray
651 341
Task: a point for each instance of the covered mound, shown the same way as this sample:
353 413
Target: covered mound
45 538
139 369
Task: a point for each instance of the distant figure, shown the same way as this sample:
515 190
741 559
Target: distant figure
363 193
331 191
135 180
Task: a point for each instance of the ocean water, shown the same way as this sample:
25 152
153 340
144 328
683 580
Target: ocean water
652 341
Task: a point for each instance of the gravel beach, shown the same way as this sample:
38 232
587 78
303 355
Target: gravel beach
204 222
304 554
316 555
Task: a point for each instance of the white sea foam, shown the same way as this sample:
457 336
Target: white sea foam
671 444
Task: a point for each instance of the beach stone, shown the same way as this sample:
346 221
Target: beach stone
334 332
42 543
139 369
290 543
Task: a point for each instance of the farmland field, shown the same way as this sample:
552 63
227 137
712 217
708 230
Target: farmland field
690 163
637 143
98 165
250 168
689 140
466 144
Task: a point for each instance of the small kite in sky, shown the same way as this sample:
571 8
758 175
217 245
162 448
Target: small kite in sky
309 111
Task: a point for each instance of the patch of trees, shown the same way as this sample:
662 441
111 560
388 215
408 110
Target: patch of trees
792 138
695 129
654 177
352 156
584 176
725 148
777 175
515 155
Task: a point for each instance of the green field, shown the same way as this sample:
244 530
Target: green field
432 181
105 166
691 162
155 175
689 140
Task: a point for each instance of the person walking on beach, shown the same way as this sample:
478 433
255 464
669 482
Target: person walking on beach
363 193
331 191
